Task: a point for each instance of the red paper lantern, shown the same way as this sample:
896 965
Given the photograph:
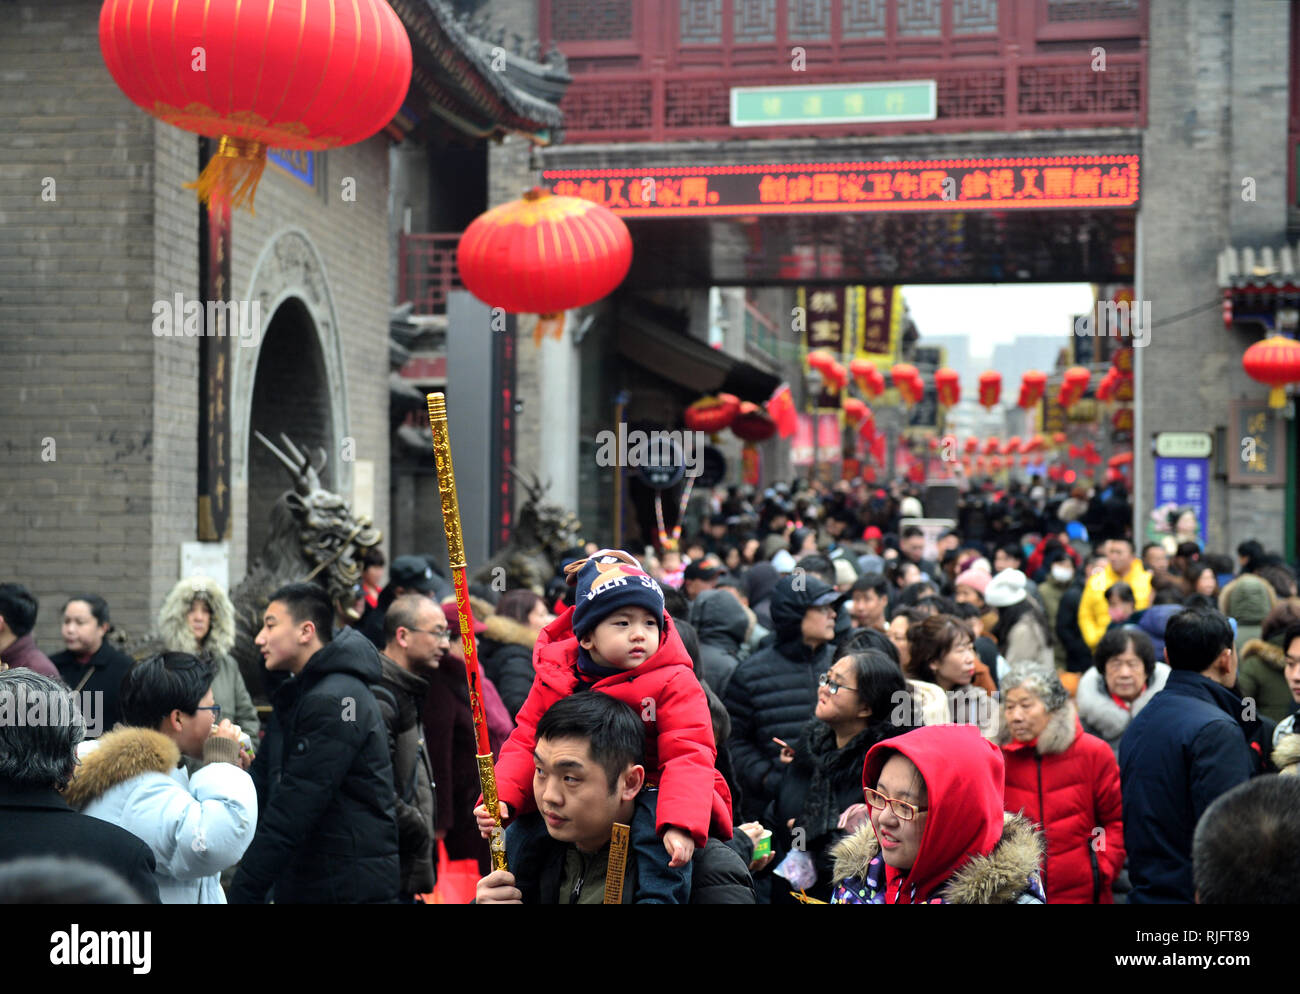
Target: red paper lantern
544 255
1036 444
908 380
947 385
990 387
1011 445
257 74
995 463
856 411
712 414
972 444
867 377
1275 361
1058 437
1032 385
836 376
819 359
752 423
991 445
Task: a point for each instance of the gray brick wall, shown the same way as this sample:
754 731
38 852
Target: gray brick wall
1217 106
78 278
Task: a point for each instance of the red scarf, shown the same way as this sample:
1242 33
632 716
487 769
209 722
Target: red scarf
1128 705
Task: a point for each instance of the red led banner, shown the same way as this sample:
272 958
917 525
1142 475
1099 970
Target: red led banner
837 187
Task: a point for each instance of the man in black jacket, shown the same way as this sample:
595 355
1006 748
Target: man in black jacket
36 762
416 636
589 755
327 830
772 693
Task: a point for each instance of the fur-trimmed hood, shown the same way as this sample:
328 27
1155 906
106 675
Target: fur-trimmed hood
174 631
998 878
121 755
1098 710
507 631
1272 655
1062 729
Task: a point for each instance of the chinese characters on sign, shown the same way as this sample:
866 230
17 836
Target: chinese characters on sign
876 320
1186 483
757 106
1256 444
214 518
971 184
825 328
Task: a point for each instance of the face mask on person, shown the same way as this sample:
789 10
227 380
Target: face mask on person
1062 573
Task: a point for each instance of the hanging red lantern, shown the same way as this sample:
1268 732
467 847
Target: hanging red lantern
1058 438
856 411
1074 384
712 414
990 387
972 444
1032 385
1036 444
868 377
1274 361
1106 388
819 359
752 423
301 76
907 378
991 445
1011 445
995 463
836 376
544 255
947 384
981 463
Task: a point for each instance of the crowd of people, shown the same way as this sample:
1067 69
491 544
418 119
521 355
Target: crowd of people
813 699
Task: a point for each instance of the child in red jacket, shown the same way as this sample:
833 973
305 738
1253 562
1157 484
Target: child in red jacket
618 640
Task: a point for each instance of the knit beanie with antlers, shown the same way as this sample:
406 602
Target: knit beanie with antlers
608 580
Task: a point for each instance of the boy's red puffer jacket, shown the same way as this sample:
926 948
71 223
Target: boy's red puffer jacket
680 750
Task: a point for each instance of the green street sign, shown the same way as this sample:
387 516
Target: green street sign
847 103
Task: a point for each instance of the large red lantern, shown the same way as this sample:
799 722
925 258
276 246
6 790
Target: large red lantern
544 255
819 359
1274 361
947 385
972 444
991 445
990 387
752 423
257 74
1073 385
712 414
1011 445
835 375
867 377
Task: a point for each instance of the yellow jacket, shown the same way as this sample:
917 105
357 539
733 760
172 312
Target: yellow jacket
1094 616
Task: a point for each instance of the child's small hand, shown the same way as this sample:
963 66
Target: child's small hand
485 821
680 846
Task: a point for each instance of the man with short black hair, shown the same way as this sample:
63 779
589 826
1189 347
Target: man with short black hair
417 637
911 546
589 777
1186 747
870 601
18 609
327 832
1245 850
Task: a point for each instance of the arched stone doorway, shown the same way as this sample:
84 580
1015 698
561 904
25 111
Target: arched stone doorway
290 396
293 381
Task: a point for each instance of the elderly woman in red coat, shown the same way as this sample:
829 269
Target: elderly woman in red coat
1066 781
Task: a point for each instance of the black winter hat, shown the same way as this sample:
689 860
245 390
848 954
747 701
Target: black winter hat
607 581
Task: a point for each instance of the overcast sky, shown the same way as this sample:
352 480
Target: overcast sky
997 313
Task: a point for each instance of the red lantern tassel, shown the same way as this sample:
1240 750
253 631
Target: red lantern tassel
233 173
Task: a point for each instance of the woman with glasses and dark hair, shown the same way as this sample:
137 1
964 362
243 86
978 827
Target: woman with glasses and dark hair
1066 781
133 777
936 832
1125 675
863 699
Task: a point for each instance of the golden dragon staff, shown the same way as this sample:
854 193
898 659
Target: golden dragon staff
456 559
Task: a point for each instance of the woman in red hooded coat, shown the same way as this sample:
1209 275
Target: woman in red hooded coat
936 832
1064 780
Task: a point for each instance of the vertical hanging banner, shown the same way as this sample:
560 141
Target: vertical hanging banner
214 519
825 327
876 318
